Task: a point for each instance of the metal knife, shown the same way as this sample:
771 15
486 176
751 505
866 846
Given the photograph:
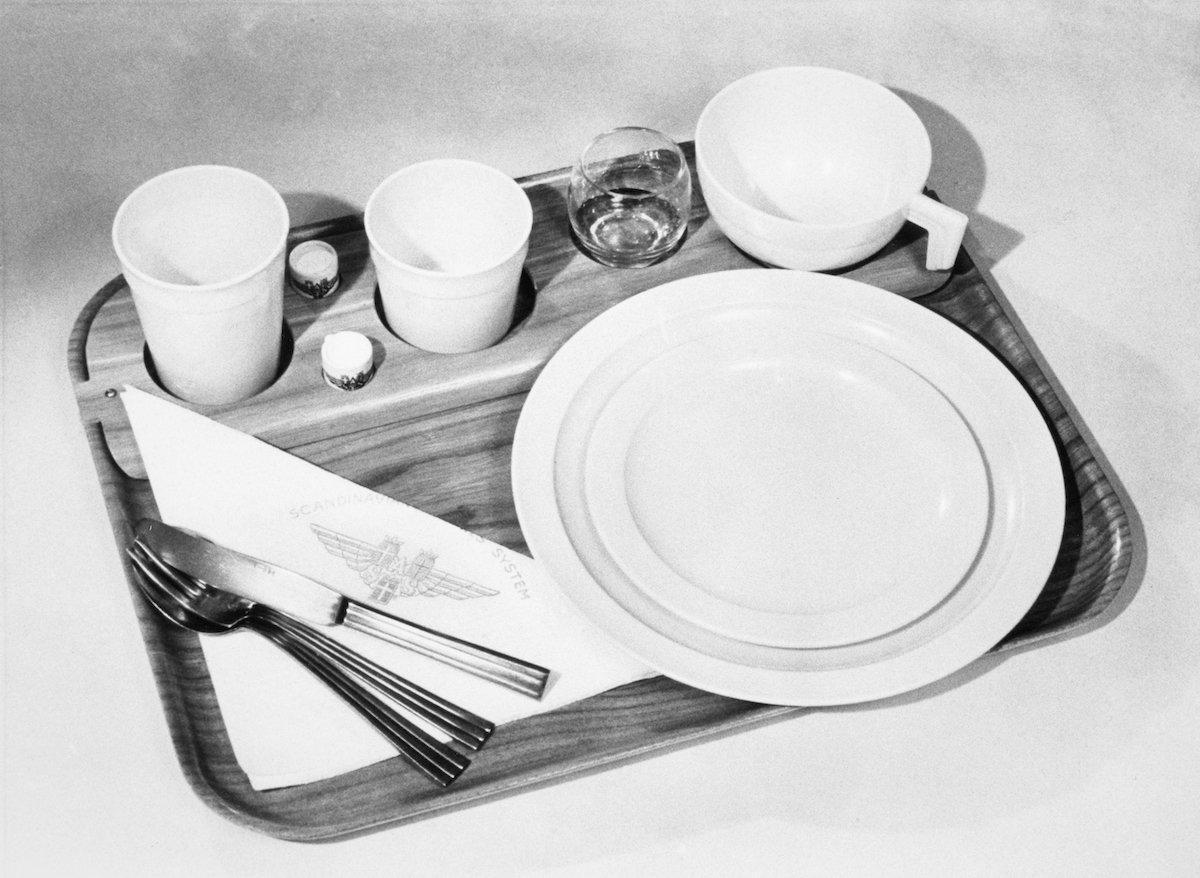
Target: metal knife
311 601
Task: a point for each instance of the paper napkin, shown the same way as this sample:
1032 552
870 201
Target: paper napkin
285 727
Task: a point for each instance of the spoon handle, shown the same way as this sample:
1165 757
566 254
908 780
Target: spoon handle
435 759
469 729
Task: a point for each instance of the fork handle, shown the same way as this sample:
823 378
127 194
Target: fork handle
521 676
469 729
437 761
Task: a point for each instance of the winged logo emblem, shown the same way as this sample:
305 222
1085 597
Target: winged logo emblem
389 574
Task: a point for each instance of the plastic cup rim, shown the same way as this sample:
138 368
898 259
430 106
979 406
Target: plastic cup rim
128 266
526 221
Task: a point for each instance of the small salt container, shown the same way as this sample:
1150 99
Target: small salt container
313 268
347 360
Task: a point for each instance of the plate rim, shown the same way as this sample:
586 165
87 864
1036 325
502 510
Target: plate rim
983 624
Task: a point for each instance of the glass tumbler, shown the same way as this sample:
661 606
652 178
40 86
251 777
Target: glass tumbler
629 197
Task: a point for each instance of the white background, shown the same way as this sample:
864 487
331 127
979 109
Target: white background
1066 130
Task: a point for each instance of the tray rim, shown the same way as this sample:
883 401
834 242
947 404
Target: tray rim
1124 523
1128 563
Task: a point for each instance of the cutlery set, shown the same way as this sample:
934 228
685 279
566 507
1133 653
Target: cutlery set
161 554
308 600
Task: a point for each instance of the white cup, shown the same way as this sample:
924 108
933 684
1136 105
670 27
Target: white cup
448 238
202 249
812 168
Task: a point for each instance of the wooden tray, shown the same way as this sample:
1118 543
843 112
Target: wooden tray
435 432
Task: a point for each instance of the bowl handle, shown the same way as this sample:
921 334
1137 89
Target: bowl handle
945 226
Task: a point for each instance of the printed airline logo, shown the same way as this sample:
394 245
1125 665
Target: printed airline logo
390 574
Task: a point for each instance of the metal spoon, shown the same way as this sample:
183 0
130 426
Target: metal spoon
439 762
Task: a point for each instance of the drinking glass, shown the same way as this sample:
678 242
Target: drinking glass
629 197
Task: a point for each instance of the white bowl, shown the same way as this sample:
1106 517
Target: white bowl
812 168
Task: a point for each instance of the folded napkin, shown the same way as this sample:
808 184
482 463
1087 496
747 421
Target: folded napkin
285 727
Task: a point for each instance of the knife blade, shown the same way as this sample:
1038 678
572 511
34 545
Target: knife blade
303 598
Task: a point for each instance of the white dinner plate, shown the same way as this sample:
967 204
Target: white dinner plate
780 485
1023 526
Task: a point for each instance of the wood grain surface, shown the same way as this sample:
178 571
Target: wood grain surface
435 431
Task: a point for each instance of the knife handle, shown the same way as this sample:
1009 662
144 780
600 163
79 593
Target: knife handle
521 676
